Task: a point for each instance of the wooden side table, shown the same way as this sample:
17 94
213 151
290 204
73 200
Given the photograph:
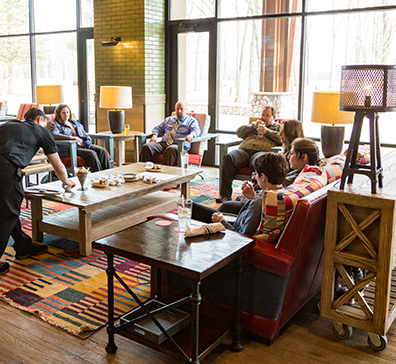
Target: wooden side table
195 258
359 233
119 141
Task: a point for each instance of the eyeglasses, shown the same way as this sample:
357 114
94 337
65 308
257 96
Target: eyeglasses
266 116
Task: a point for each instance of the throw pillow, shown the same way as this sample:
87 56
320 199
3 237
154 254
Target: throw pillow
334 167
363 154
278 204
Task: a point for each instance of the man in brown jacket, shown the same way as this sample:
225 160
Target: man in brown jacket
258 138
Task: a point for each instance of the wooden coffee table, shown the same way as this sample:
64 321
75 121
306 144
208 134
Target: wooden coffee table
99 212
195 258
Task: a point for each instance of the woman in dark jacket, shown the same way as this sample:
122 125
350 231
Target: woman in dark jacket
65 128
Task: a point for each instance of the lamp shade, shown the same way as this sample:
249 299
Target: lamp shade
368 87
325 109
49 94
115 97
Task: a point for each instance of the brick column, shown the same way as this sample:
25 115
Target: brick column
137 61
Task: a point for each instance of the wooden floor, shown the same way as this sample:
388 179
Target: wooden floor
308 338
24 338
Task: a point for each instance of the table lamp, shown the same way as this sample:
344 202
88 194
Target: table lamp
116 97
325 111
49 95
367 90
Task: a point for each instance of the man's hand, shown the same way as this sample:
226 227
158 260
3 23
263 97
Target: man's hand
217 217
189 138
68 183
248 190
153 139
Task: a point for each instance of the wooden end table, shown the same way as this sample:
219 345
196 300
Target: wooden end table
195 258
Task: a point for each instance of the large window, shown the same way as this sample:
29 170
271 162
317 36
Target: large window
47 55
256 65
278 52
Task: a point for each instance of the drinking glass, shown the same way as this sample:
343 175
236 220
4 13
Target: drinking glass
184 209
184 160
260 130
126 129
82 177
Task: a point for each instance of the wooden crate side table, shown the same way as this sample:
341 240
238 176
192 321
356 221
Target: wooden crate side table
359 233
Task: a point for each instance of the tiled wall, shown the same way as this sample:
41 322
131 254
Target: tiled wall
137 61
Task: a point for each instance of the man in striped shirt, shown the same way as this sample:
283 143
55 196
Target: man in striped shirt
172 128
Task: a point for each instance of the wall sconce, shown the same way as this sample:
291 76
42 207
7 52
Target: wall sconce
112 42
367 90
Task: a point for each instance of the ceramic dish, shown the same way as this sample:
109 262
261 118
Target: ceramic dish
99 185
130 177
43 191
153 169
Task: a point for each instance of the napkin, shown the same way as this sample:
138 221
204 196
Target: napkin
204 229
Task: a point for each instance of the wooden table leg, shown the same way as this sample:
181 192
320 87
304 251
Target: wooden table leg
185 190
85 229
195 302
111 347
37 216
236 343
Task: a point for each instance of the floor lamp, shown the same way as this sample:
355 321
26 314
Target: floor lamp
325 111
367 90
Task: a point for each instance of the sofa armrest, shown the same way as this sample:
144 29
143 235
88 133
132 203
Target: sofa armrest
73 152
181 141
266 256
140 140
109 143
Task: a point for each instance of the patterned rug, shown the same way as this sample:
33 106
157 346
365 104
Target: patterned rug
205 191
65 289
70 291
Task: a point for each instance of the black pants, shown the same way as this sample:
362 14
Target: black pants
96 157
11 196
232 163
150 150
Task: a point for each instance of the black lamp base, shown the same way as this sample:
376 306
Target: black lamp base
116 120
373 170
332 139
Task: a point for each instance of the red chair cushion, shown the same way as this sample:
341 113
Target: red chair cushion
246 171
67 162
194 159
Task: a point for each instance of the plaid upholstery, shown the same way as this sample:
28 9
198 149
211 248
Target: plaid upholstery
363 154
22 110
334 167
278 204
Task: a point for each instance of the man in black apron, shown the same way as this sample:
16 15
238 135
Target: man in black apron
19 142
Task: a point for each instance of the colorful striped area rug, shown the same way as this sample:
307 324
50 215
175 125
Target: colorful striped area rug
205 191
70 291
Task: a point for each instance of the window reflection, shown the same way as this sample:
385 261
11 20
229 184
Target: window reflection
54 15
15 80
14 17
56 63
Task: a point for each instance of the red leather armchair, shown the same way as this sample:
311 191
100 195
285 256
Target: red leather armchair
277 279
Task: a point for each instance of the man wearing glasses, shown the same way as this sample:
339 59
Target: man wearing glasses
258 138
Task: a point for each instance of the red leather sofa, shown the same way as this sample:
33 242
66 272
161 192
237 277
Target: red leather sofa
277 279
